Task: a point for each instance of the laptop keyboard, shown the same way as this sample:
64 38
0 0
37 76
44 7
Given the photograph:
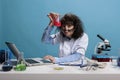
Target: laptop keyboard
31 61
45 61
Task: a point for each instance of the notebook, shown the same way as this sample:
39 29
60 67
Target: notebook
27 61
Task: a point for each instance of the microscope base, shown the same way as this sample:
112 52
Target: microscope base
101 58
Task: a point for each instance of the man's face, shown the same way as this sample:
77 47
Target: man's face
68 30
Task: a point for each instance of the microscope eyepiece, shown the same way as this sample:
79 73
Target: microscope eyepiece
99 36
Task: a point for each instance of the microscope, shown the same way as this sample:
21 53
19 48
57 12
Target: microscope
101 50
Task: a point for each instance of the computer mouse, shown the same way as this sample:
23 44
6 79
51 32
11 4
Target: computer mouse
7 66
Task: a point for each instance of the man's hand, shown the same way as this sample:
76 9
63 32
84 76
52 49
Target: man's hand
51 58
53 17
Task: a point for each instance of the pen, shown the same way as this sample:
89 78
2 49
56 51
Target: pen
81 65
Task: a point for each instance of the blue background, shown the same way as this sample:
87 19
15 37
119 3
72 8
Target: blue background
23 22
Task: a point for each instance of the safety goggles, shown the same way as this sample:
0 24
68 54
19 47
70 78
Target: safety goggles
69 30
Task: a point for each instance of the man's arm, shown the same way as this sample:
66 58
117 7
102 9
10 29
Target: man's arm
74 57
46 35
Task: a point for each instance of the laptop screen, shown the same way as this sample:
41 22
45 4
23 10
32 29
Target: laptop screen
13 49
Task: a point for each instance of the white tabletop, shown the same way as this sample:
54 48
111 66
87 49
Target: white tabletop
48 72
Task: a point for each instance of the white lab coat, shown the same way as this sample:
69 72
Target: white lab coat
71 46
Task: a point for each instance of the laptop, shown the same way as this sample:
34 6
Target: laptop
27 61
